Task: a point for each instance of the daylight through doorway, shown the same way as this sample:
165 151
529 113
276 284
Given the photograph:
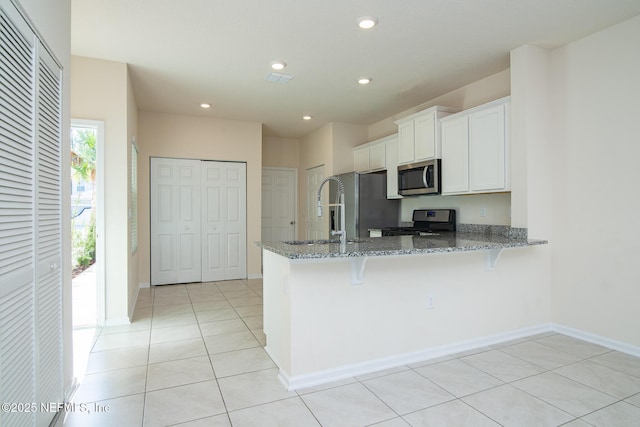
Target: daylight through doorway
83 225
87 225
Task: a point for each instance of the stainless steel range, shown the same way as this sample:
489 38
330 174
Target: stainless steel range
426 222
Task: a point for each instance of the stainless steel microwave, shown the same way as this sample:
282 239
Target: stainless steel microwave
419 178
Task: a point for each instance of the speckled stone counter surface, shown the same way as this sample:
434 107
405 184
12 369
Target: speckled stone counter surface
400 245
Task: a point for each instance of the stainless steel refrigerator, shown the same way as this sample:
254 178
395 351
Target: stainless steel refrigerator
366 204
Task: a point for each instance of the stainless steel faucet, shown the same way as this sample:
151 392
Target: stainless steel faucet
342 232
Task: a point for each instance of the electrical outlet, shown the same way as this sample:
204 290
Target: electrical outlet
483 212
430 305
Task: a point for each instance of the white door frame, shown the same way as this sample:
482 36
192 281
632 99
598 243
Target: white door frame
100 230
295 195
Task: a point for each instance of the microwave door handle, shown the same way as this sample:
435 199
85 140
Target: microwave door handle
425 180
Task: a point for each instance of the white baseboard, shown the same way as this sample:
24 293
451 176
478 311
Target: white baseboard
254 276
315 378
132 307
144 285
597 339
73 387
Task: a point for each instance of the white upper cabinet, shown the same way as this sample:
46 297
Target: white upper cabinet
455 155
425 129
392 168
475 150
406 142
370 157
361 159
419 134
487 149
379 155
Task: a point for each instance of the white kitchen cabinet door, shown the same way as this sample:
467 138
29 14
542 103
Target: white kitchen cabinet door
224 218
475 150
392 169
370 157
425 137
175 221
406 141
487 149
377 156
419 134
361 159
455 156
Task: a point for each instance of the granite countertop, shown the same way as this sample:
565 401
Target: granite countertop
398 245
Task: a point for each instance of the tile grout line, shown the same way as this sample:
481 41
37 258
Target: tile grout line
362 381
213 369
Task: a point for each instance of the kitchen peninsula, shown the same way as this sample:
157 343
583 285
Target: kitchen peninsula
389 301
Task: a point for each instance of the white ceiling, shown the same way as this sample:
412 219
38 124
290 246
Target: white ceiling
185 52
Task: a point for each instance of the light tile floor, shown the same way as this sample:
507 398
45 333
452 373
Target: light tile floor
193 357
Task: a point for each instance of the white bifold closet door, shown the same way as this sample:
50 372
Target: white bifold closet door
224 221
198 221
175 221
31 369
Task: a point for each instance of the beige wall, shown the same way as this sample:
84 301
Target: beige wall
280 152
595 156
53 22
345 137
132 130
477 93
100 91
315 150
190 137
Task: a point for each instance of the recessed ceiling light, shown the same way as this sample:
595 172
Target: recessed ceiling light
205 105
364 80
366 22
306 117
278 65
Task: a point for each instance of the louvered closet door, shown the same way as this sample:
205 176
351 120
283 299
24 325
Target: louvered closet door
48 235
16 216
30 223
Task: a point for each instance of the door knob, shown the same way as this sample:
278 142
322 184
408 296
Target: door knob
292 222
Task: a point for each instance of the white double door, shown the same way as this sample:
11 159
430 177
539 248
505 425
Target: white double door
198 221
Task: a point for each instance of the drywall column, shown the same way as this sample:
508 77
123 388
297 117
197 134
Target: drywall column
99 92
531 140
